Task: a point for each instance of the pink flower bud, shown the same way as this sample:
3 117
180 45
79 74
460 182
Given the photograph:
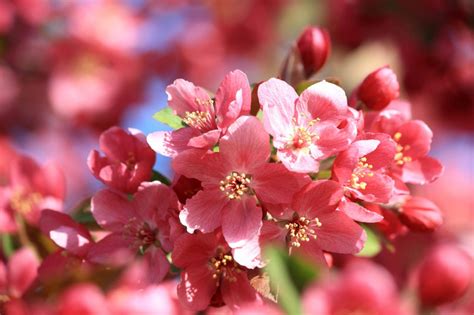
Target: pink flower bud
420 215
444 275
314 46
379 88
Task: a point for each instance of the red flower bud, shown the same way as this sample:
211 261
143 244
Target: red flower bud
444 275
420 215
314 46
379 88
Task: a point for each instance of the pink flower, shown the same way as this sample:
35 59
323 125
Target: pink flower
314 46
420 214
31 189
208 267
363 288
314 225
308 128
233 179
361 170
205 118
379 88
128 161
444 275
18 275
82 299
146 224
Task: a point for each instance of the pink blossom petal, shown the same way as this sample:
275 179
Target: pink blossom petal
273 183
339 234
333 140
277 99
145 205
193 249
204 211
3 279
22 271
249 255
157 263
379 188
321 196
202 165
246 146
206 140
196 288
241 221
184 96
422 171
112 250
238 292
84 299
170 143
233 98
417 136
111 210
359 213
311 251
299 161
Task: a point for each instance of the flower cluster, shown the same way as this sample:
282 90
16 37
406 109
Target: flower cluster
312 172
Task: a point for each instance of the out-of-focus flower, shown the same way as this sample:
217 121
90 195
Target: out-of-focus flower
420 214
378 89
313 224
208 267
9 88
444 275
363 287
314 47
142 225
206 120
233 179
128 161
32 188
84 298
308 128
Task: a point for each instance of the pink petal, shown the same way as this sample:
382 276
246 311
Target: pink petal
204 211
383 155
233 98
196 288
359 213
277 99
111 210
54 181
113 250
339 234
183 96
299 161
3 279
417 135
157 263
379 188
325 101
310 251
249 255
246 145
241 221
170 143
239 292
116 143
333 140
65 232
321 196
273 183
194 249
202 165
84 299
22 271
145 205
206 140
7 219
422 171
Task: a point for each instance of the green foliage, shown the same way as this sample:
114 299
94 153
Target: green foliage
167 117
160 177
372 245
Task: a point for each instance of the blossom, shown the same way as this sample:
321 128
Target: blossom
143 224
128 161
420 214
314 46
206 119
379 88
208 266
232 180
314 225
308 128
31 189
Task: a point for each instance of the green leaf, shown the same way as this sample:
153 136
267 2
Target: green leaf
302 272
160 177
372 245
167 117
7 245
281 282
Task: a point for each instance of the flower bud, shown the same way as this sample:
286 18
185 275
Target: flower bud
379 88
444 275
420 215
314 46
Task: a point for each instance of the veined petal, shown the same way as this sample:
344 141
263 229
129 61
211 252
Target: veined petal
321 196
299 160
241 221
423 170
184 96
170 143
111 210
359 213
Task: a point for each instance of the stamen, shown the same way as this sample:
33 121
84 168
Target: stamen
24 203
198 120
235 185
302 230
400 158
362 169
224 267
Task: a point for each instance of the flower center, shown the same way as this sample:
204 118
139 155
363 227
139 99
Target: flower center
224 266
400 157
140 233
301 137
201 120
362 170
302 230
235 185
131 161
24 203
